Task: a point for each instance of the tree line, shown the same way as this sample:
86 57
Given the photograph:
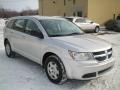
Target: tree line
6 13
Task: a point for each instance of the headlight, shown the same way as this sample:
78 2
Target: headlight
80 56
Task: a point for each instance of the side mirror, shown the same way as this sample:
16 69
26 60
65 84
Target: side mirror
37 34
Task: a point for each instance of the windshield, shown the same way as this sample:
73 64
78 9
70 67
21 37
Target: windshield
56 28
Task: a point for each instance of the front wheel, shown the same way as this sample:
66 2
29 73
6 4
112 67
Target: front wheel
97 29
55 70
8 50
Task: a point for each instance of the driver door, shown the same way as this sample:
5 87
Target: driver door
33 43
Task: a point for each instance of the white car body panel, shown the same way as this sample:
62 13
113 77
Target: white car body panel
87 26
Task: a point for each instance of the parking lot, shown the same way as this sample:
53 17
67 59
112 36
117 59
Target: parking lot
22 74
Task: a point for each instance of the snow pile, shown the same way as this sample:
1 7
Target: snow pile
2 22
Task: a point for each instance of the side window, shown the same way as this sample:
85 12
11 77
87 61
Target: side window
19 25
80 13
31 27
10 24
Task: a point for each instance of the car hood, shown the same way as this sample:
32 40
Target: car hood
82 43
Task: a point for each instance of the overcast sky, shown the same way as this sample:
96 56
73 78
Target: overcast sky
19 5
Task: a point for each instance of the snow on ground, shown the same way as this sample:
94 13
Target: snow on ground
2 22
22 74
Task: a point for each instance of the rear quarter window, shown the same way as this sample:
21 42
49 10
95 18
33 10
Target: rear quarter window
10 24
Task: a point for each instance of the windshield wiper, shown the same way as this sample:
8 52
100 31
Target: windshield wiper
75 34
56 35
66 34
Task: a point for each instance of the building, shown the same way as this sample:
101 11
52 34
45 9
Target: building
97 10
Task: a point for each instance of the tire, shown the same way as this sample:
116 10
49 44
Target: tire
8 50
97 29
116 28
55 70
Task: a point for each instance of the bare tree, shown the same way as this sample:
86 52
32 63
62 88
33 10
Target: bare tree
6 13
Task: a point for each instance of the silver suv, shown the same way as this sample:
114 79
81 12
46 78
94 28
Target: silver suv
59 46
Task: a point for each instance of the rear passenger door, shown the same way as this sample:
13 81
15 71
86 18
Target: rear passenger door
18 35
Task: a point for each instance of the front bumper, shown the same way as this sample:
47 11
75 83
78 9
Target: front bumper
85 71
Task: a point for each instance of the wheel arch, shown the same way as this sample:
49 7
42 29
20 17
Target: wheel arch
47 54
63 69
8 40
5 40
97 26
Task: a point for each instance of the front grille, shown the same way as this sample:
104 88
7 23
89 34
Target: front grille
101 58
103 55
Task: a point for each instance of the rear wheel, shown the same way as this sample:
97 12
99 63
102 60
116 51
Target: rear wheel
97 29
8 50
55 70
116 28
